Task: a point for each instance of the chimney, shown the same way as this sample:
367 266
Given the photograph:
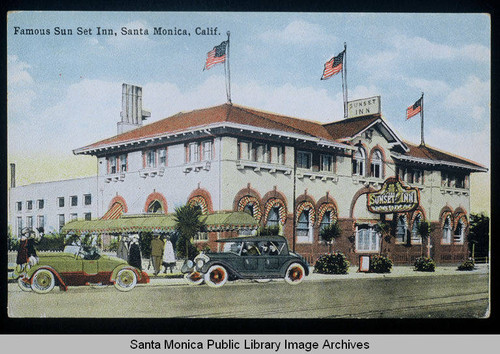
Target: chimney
12 175
132 114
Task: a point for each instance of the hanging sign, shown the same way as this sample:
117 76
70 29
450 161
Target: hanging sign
393 197
363 107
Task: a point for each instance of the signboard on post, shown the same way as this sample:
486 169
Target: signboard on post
363 107
393 197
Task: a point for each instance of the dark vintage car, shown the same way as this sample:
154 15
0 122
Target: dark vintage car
78 265
251 257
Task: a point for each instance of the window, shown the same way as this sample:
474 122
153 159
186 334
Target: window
29 222
61 221
447 230
123 163
418 176
273 218
40 203
87 199
304 160
19 206
410 175
376 165
29 205
112 164
19 225
326 220
277 155
60 202
207 150
260 152
401 230
201 236
244 150
162 158
326 163
367 239
40 221
248 209
358 162
150 158
194 152
155 207
458 236
87 216
73 216
415 237
303 227
74 200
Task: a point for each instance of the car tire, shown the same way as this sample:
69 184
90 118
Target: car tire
295 274
23 285
125 280
193 278
43 281
216 276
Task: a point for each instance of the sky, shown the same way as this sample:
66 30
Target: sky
64 91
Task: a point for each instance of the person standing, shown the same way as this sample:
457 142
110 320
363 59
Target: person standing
123 246
22 251
157 246
168 256
134 255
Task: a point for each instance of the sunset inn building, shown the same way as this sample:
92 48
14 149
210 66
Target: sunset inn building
247 168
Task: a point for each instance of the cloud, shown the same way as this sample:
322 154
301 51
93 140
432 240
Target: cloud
435 88
472 99
17 71
299 32
20 93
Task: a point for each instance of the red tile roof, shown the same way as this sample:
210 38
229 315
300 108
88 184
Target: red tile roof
348 128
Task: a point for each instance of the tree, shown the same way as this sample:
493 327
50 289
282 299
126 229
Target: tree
424 231
479 234
384 229
330 233
188 224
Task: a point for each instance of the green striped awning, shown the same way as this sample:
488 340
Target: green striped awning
160 223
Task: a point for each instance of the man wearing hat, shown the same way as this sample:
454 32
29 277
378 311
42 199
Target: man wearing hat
157 246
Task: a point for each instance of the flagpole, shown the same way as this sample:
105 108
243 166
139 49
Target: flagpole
422 142
344 67
228 77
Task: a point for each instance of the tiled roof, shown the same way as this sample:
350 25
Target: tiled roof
347 128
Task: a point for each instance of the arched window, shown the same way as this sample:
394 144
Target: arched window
304 231
155 207
415 237
458 236
376 165
248 209
326 220
401 230
447 230
274 216
358 162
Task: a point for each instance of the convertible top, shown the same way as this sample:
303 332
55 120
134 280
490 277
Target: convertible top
253 239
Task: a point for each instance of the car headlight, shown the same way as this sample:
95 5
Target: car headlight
199 263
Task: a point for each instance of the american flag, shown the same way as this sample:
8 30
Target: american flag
216 55
415 109
333 66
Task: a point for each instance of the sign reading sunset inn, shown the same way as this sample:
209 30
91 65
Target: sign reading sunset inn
393 197
363 107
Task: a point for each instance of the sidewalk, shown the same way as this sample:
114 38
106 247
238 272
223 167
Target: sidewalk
397 272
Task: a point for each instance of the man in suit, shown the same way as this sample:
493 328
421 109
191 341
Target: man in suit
157 246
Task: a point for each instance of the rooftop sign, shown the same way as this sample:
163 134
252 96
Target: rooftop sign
393 197
363 107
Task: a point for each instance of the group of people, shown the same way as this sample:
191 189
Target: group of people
26 253
162 252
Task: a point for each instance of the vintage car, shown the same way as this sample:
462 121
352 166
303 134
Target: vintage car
76 266
250 257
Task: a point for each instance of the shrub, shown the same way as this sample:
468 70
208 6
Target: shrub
467 265
113 245
269 231
332 263
425 264
380 264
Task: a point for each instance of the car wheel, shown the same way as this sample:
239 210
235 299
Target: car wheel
43 281
216 276
194 278
295 274
24 283
126 279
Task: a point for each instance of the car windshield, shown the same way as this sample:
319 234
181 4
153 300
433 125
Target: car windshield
86 252
232 247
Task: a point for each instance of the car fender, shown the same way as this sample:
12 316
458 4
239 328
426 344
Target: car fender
59 279
295 260
137 272
226 265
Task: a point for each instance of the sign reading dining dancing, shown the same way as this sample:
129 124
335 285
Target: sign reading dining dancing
393 197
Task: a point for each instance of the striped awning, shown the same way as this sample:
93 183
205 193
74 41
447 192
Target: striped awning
160 223
114 212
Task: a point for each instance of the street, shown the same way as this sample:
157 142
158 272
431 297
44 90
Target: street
444 296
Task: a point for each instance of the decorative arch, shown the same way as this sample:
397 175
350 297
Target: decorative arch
358 194
254 203
119 199
203 198
155 196
306 205
327 207
248 191
275 202
445 213
460 215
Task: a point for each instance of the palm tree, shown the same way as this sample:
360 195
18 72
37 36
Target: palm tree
330 233
384 228
188 224
424 230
